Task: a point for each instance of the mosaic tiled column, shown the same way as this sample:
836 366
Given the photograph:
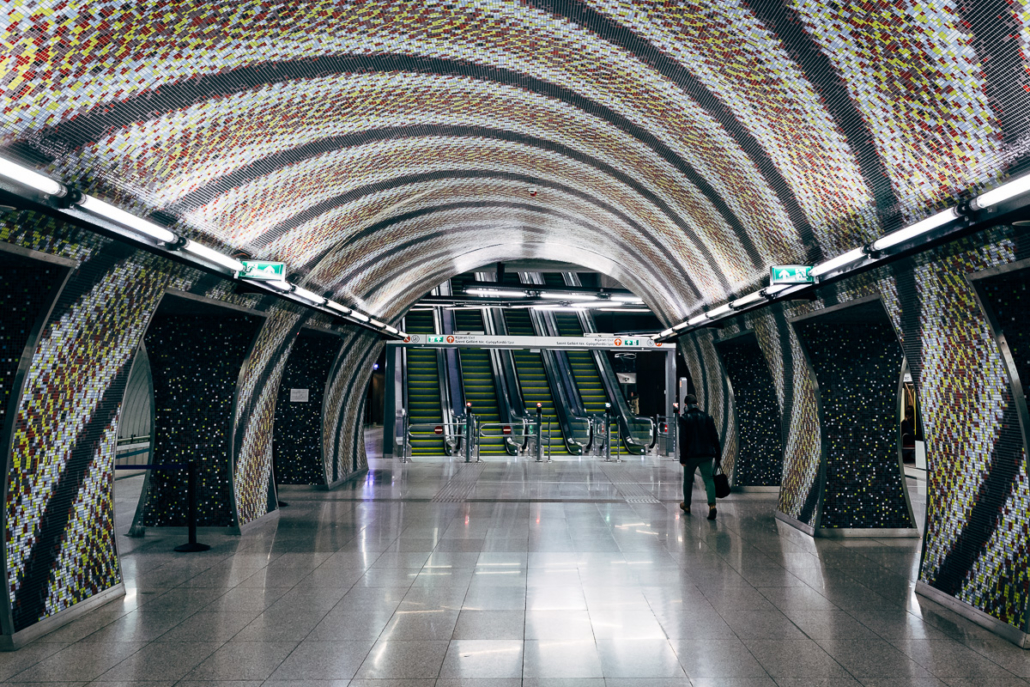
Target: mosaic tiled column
297 436
760 446
196 363
856 361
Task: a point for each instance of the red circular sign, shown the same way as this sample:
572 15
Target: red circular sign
450 339
506 430
618 342
438 430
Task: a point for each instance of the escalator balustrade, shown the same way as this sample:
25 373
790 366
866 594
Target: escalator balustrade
477 378
423 376
533 380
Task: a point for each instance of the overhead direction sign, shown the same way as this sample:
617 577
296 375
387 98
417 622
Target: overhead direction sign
533 342
263 270
790 274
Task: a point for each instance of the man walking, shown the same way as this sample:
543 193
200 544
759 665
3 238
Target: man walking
699 449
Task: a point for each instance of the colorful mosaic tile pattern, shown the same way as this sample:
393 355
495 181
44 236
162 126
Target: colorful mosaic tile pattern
253 422
760 453
345 398
787 118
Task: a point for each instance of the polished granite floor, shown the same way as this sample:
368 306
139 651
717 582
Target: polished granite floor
569 574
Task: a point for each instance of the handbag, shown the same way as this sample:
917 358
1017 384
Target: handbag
722 484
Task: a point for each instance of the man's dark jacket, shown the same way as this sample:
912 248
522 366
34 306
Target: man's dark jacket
698 437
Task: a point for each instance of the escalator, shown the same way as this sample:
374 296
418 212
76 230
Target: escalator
594 377
533 378
477 378
584 368
423 388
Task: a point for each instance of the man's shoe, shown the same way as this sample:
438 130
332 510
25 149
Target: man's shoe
711 512
684 507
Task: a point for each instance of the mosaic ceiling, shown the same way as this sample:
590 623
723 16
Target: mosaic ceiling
380 147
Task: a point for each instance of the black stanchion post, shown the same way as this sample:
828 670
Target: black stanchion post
191 511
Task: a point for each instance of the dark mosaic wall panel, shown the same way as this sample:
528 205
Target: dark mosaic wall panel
760 449
26 290
297 443
857 361
196 362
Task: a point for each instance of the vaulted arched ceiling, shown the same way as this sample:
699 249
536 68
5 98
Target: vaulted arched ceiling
382 147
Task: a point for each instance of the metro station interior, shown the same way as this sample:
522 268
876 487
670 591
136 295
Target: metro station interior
345 342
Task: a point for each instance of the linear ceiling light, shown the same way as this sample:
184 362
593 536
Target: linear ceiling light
359 317
496 293
595 304
213 256
108 211
839 261
721 310
680 326
279 285
566 296
610 309
697 319
775 289
27 177
1004 192
627 298
342 309
921 227
753 297
665 332
308 296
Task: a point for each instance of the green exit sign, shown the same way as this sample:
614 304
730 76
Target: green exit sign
790 274
263 270
435 339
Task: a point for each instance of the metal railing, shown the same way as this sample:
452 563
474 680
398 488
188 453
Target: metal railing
664 443
458 430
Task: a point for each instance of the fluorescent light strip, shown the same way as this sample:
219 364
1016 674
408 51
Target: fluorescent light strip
213 256
278 285
377 324
697 319
748 299
839 261
928 224
594 304
775 289
27 177
721 310
496 293
1004 192
359 317
627 299
624 310
392 330
680 326
108 211
566 296
665 333
308 296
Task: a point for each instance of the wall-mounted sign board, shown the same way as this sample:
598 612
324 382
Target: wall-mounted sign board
262 270
790 274
614 343
298 395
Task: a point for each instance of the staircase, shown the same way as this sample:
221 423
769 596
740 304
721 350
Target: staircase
477 378
423 373
584 367
533 379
